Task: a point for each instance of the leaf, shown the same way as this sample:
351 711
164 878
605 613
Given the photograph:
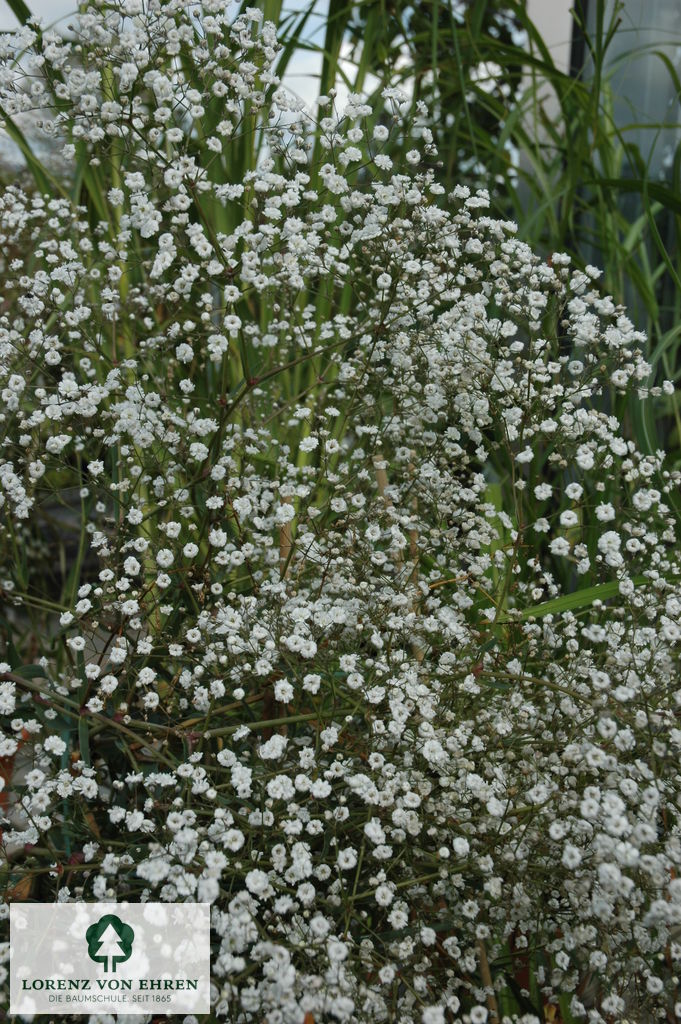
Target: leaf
43 179
20 892
579 599
12 652
20 11
91 178
30 671
659 192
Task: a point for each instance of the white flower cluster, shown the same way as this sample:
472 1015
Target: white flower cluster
338 444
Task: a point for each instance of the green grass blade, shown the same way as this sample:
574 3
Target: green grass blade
20 11
579 599
45 181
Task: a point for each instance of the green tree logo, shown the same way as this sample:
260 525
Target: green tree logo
109 941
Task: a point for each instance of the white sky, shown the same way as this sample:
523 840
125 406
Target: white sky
48 10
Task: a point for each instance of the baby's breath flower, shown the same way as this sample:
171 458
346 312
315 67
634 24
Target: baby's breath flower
378 605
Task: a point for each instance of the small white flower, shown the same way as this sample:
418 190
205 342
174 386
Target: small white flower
433 1015
347 859
574 491
165 558
273 748
283 691
609 545
233 839
55 745
184 353
585 457
56 444
572 857
257 882
284 514
605 512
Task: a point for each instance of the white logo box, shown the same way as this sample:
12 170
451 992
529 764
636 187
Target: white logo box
127 958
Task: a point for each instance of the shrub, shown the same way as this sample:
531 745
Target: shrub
369 637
